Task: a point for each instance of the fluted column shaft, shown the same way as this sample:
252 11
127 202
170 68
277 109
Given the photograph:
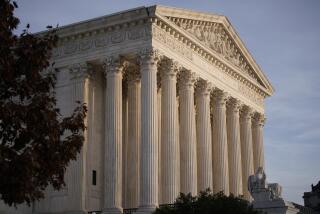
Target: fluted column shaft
188 156
134 137
234 147
257 138
204 138
113 138
81 75
169 145
220 146
149 134
124 143
159 137
246 149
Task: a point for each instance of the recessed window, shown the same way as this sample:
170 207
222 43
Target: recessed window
94 177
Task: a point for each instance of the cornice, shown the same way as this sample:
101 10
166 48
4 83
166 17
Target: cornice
102 23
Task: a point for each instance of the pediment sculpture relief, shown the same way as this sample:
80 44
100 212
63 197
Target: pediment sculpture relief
214 36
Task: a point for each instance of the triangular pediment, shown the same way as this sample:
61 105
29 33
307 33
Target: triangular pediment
216 33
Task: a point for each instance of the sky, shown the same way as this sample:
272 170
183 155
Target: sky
284 38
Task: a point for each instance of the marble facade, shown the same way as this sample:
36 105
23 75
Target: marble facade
176 104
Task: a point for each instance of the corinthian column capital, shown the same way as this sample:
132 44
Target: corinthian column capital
80 70
112 65
258 119
168 68
203 87
219 97
233 105
187 79
149 55
246 112
132 72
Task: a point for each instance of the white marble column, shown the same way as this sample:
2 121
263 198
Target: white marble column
124 141
134 137
159 134
81 76
113 137
234 147
178 140
220 146
188 149
246 148
149 133
169 145
204 138
257 141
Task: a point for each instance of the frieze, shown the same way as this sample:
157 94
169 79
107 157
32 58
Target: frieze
86 45
172 43
249 93
96 41
101 41
70 48
117 37
135 34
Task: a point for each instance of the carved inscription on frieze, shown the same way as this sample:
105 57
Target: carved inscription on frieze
117 37
75 46
101 41
86 44
135 34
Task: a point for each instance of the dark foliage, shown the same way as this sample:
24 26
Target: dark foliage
207 203
33 153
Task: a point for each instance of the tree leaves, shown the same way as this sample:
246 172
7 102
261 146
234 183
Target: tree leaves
33 153
207 203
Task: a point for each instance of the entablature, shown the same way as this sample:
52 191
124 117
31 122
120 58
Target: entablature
190 34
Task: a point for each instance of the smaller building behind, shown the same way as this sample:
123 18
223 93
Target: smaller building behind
312 199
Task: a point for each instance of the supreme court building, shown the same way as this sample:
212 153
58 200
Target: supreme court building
175 104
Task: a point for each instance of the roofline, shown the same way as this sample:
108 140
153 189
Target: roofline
98 19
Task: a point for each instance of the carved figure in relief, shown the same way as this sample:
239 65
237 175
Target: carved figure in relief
215 37
199 33
186 26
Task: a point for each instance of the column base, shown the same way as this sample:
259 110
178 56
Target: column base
146 209
115 210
